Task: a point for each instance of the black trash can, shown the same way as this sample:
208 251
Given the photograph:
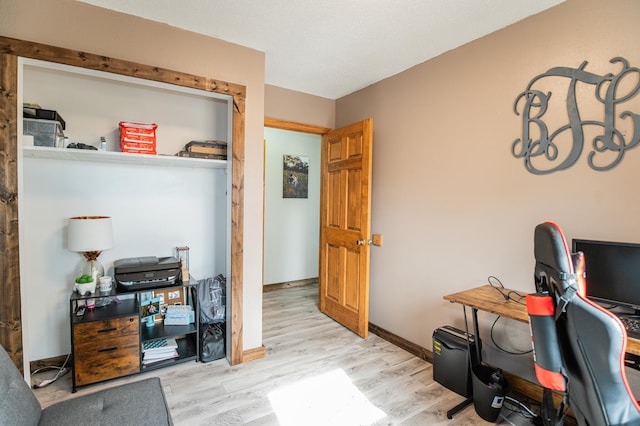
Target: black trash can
489 390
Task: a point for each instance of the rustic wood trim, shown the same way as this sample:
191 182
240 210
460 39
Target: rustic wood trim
10 306
10 49
289 284
77 58
296 127
402 343
237 231
254 354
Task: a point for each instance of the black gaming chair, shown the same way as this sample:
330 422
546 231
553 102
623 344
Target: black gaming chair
579 347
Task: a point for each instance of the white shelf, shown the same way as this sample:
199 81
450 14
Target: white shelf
120 157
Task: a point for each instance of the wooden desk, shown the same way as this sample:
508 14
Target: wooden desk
488 299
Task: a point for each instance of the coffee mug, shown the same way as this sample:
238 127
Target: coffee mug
104 283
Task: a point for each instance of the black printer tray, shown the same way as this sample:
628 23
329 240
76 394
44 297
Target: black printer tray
141 273
144 264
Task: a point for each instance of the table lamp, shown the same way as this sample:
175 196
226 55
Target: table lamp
90 235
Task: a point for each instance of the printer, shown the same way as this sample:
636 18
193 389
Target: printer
142 273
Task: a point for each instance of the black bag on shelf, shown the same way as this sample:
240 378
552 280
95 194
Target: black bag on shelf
212 342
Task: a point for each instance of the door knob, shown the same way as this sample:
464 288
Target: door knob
361 242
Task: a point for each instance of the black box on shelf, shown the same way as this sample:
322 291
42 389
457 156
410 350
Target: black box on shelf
43 114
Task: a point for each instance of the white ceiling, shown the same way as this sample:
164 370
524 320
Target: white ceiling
331 48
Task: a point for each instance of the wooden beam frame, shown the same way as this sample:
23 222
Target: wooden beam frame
10 307
10 50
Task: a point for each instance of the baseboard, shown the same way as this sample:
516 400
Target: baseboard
516 383
254 354
56 361
408 346
288 284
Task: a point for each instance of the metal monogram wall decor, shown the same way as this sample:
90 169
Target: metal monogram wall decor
610 143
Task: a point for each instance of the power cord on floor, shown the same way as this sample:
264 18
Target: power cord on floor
62 370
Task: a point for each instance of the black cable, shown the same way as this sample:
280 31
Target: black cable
495 283
499 287
511 404
500 348
518 407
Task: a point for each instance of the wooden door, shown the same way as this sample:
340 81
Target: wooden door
345 224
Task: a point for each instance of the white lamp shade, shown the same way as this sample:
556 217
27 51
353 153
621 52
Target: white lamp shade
89 233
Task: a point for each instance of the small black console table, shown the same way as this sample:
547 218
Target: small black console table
107 340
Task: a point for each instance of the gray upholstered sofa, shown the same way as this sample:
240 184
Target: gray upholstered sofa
137 403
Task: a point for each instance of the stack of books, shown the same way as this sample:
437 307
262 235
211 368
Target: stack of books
159 350
210 149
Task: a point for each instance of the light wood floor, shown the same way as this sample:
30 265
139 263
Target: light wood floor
315 373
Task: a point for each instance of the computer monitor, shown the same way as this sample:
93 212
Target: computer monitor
612 272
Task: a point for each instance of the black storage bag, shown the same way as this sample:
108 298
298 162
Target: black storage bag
212 300
212 342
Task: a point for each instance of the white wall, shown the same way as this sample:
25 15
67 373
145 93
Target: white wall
154 209
291 225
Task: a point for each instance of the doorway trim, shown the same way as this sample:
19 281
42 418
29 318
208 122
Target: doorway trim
275 123
296 127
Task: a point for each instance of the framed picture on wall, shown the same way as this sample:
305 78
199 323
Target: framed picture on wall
295 176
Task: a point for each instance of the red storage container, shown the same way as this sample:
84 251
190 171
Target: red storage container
138 138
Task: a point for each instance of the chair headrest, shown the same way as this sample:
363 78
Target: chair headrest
555 265
550 248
